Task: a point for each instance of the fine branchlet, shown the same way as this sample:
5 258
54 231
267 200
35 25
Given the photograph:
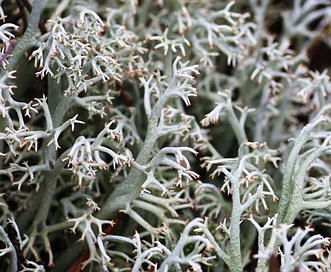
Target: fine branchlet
165 135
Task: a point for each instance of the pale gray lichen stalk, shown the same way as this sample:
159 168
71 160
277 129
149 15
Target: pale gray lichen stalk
165 135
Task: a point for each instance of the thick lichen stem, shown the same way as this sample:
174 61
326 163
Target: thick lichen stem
130 189
235 264
58 106
28 39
